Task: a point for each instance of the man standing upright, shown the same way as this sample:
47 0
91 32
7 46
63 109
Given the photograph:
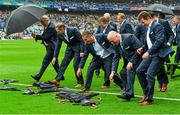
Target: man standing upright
108 17
125 25
155 52
176 21
48 39
169 36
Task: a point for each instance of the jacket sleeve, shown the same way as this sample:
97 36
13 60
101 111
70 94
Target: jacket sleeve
135 43
79 36
57 47
115 60
84 58
169 32
159 39
48 34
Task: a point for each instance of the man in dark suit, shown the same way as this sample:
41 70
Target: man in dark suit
126 45
155 52
102 54
125 25
48 40
104 27
108 17
140 31
75 48
176 21
169 35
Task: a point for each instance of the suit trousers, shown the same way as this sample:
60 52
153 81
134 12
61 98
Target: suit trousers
146 71
71 52
46 61
95 64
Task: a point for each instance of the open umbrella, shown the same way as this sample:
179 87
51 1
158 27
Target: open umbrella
23 17
160 8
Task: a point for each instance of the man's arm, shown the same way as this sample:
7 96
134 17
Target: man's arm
78 35
48 34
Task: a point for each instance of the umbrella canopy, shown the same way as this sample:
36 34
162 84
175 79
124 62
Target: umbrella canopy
160 8
23 17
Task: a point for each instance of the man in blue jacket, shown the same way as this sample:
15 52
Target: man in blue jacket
49 40
126 45
176 21
155 52
102 53
75 48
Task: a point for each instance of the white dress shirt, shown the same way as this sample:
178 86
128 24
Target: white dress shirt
148 40
103 53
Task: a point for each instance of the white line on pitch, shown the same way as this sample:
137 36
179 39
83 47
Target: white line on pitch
109 93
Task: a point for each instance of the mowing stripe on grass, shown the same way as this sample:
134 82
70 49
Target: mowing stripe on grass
108 93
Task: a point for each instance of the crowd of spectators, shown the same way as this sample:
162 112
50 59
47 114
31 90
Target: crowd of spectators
99 3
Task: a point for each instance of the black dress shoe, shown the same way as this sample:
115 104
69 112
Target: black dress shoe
124 96
35 77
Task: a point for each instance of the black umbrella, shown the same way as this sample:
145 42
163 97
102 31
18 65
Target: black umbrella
23 17
160 8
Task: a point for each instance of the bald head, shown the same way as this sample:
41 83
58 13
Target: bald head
114 37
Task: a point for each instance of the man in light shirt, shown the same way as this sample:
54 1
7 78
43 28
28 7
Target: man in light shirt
102 53
155 52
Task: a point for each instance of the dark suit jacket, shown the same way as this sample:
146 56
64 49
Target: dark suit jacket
49 36
74 38
108 29
178 35
140 32
126 28
90 49
168 33
129 46
114 25
159 47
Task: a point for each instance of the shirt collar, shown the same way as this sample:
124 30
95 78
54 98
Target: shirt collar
123 21
150 24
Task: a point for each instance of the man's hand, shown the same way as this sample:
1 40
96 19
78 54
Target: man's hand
146 56
111 76
140 51
129 66
53 60
81 54
33 35
79 72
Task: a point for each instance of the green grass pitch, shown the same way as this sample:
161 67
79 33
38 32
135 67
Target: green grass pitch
21 58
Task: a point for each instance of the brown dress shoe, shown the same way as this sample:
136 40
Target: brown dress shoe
164 87
105 87
55 82
146 103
